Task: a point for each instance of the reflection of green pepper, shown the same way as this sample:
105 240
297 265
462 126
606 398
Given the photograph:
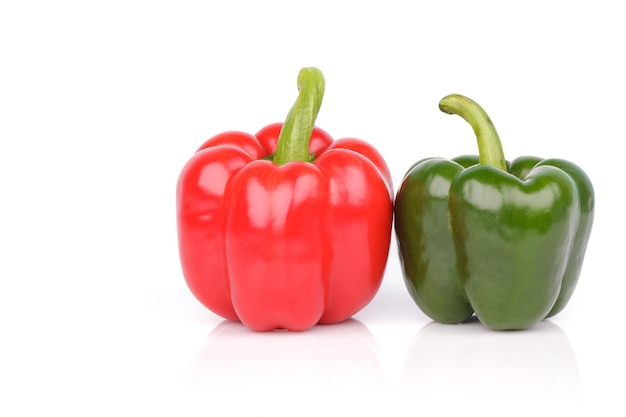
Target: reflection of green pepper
505 241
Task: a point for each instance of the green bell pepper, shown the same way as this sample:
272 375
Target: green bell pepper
477 234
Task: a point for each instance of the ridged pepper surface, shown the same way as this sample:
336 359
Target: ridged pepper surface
479 235
286 228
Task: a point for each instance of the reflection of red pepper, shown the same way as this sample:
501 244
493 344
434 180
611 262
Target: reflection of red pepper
287 228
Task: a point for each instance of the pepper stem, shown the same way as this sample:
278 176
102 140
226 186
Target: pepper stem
489 145
295 135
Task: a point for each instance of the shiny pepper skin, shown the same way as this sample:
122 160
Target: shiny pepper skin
284 246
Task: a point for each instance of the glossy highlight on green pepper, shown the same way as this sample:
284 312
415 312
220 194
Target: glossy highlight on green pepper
479 235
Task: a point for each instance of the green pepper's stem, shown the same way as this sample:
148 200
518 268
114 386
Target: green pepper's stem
295 135
489 145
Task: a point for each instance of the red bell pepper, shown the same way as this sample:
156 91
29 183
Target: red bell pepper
286 228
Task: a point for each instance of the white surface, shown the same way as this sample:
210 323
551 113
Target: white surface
102 103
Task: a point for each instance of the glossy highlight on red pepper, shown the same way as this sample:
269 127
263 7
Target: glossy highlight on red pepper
286 228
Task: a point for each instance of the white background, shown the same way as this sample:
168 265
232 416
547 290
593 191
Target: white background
101 104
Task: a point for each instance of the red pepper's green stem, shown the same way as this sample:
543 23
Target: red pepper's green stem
489 145
295 135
